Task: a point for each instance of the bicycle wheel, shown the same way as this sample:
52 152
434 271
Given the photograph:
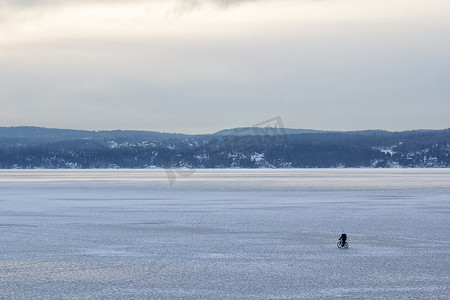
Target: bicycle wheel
346 245
339 244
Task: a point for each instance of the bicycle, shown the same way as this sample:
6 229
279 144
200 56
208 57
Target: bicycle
340 245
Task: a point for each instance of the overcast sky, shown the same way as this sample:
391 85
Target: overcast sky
201 66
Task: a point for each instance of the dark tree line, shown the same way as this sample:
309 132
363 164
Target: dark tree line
51 148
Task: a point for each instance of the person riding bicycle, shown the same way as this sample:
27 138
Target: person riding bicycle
343 239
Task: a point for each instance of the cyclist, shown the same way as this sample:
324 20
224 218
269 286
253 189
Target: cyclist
343 239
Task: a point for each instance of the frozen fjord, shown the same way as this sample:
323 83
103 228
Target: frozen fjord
224 234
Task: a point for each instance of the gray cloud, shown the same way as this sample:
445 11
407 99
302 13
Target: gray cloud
191 3
222 3
8 7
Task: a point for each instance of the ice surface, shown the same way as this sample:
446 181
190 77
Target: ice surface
224 234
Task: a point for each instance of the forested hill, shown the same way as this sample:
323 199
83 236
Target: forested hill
33 147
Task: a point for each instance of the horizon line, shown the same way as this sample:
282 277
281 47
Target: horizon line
225 129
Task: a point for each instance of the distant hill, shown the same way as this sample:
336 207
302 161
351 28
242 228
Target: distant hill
30 133
251 147
243 131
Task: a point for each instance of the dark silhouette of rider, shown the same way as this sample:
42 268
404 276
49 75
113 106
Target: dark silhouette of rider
343 239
